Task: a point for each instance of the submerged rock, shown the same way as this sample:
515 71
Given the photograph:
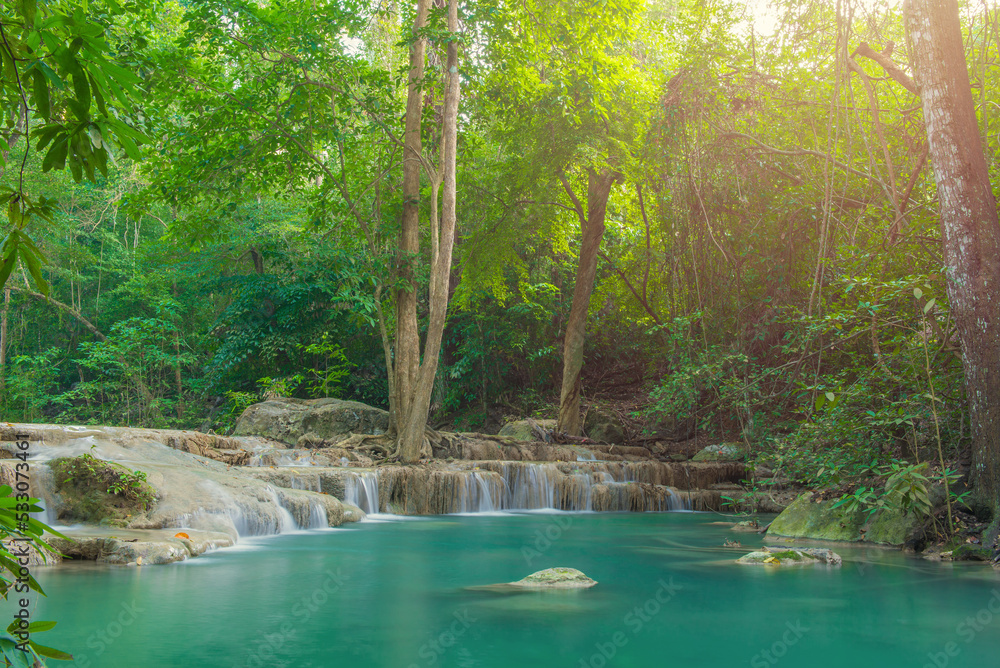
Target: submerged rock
556 578
791 556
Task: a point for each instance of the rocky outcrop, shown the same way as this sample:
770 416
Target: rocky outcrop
808 518
791 556
135 547
191 491
220 448
328 420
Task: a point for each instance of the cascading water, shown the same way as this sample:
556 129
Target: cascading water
361 489
317 517
310 483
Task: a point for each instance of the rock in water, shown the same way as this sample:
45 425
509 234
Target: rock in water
791 556
556 578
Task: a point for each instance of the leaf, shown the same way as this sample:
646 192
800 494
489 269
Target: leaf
40 94
49 652
918 293
831 396
929 305
34 264
14 212
56 157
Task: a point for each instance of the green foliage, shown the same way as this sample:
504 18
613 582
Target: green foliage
232 408
13 507
330 368
32 383
72 96
99 491
702 383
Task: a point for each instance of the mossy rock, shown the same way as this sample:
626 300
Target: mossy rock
100 492
891 526
525 430
972 553
791 556
603 427
805 518
724 452
556 578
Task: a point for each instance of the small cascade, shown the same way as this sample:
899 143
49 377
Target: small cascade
286 521
479 492
309 483
361 489
317 516
531 486
43 487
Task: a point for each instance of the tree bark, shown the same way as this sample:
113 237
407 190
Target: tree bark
3 337
411 436
407 359
970 227
592 231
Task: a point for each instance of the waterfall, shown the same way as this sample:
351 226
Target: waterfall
310 483
531 486
477 492
361 489
317 516
518 485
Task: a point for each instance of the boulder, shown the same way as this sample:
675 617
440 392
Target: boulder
527 430
603 427
791 556
807 518
724 452
323 420
972 553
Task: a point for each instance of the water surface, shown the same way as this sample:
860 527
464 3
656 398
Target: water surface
392 594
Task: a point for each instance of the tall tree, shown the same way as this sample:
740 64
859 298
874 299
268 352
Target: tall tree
415 376
969 223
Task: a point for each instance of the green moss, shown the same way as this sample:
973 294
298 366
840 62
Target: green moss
806 519
891 526
972 553
787 554
100 492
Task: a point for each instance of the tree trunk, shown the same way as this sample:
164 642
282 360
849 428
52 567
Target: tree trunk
407 332
411 436
592 231
969 225
3 337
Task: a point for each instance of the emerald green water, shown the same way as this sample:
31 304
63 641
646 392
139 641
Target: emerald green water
392 594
